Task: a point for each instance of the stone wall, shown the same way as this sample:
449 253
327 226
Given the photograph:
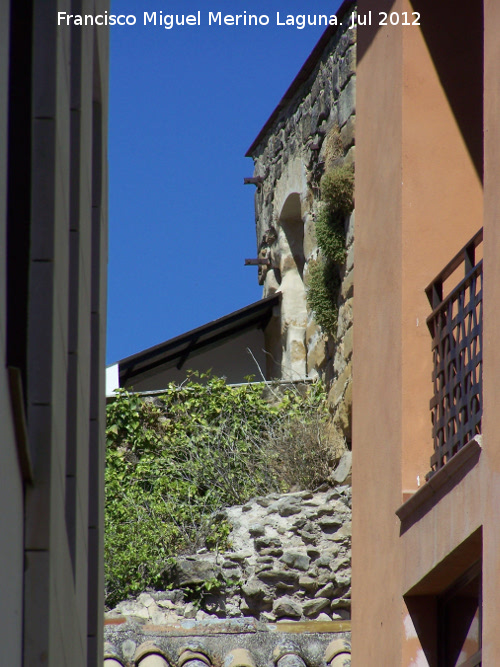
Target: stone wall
287 590
311 131
289 559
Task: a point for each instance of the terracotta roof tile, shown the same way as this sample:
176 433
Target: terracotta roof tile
228 642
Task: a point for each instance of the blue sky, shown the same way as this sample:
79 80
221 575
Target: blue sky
185 105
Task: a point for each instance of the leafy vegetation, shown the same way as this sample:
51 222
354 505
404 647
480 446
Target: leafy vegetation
337 190
337 195
173 461
324 282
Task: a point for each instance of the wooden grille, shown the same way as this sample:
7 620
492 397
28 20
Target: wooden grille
456 326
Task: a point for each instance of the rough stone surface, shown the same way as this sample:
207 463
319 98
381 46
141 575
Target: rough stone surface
193 570
290 558
343 471
290 554
205 641
313 132
288 607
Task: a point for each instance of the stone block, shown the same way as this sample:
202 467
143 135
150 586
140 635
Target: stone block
347 133
310 241
308 583
296 560
338 387
348 342
275 552
348 396
346 530
191 571
347 66
343 471
343 578
345 318
341 563
347 287
286 606
334 79
256 530
342 419
239 556
146 600
347 102
273 577
350 158
313 332
308 538
316 356
288 506
315 90
267 543
326 592
312 608
329 524
324 107
190 611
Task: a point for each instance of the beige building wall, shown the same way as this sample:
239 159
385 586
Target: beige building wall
419 199
231 360
53 253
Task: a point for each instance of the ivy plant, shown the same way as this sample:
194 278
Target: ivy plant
173 461
337 202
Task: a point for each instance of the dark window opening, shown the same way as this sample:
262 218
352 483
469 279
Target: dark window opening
460 621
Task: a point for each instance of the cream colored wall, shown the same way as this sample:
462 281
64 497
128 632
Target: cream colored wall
230 360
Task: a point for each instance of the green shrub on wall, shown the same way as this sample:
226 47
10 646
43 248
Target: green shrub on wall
330 234
337 190
173 461
322 293
337 195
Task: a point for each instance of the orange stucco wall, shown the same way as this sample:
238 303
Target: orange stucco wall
419 199
377 397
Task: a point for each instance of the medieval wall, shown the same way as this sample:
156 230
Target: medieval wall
287 589
289 559
310 132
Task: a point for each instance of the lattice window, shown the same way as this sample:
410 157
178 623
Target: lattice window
456 328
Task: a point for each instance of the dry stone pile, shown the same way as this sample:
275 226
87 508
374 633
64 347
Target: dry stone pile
290 559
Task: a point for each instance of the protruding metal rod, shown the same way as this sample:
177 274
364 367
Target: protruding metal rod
253 180
264 261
